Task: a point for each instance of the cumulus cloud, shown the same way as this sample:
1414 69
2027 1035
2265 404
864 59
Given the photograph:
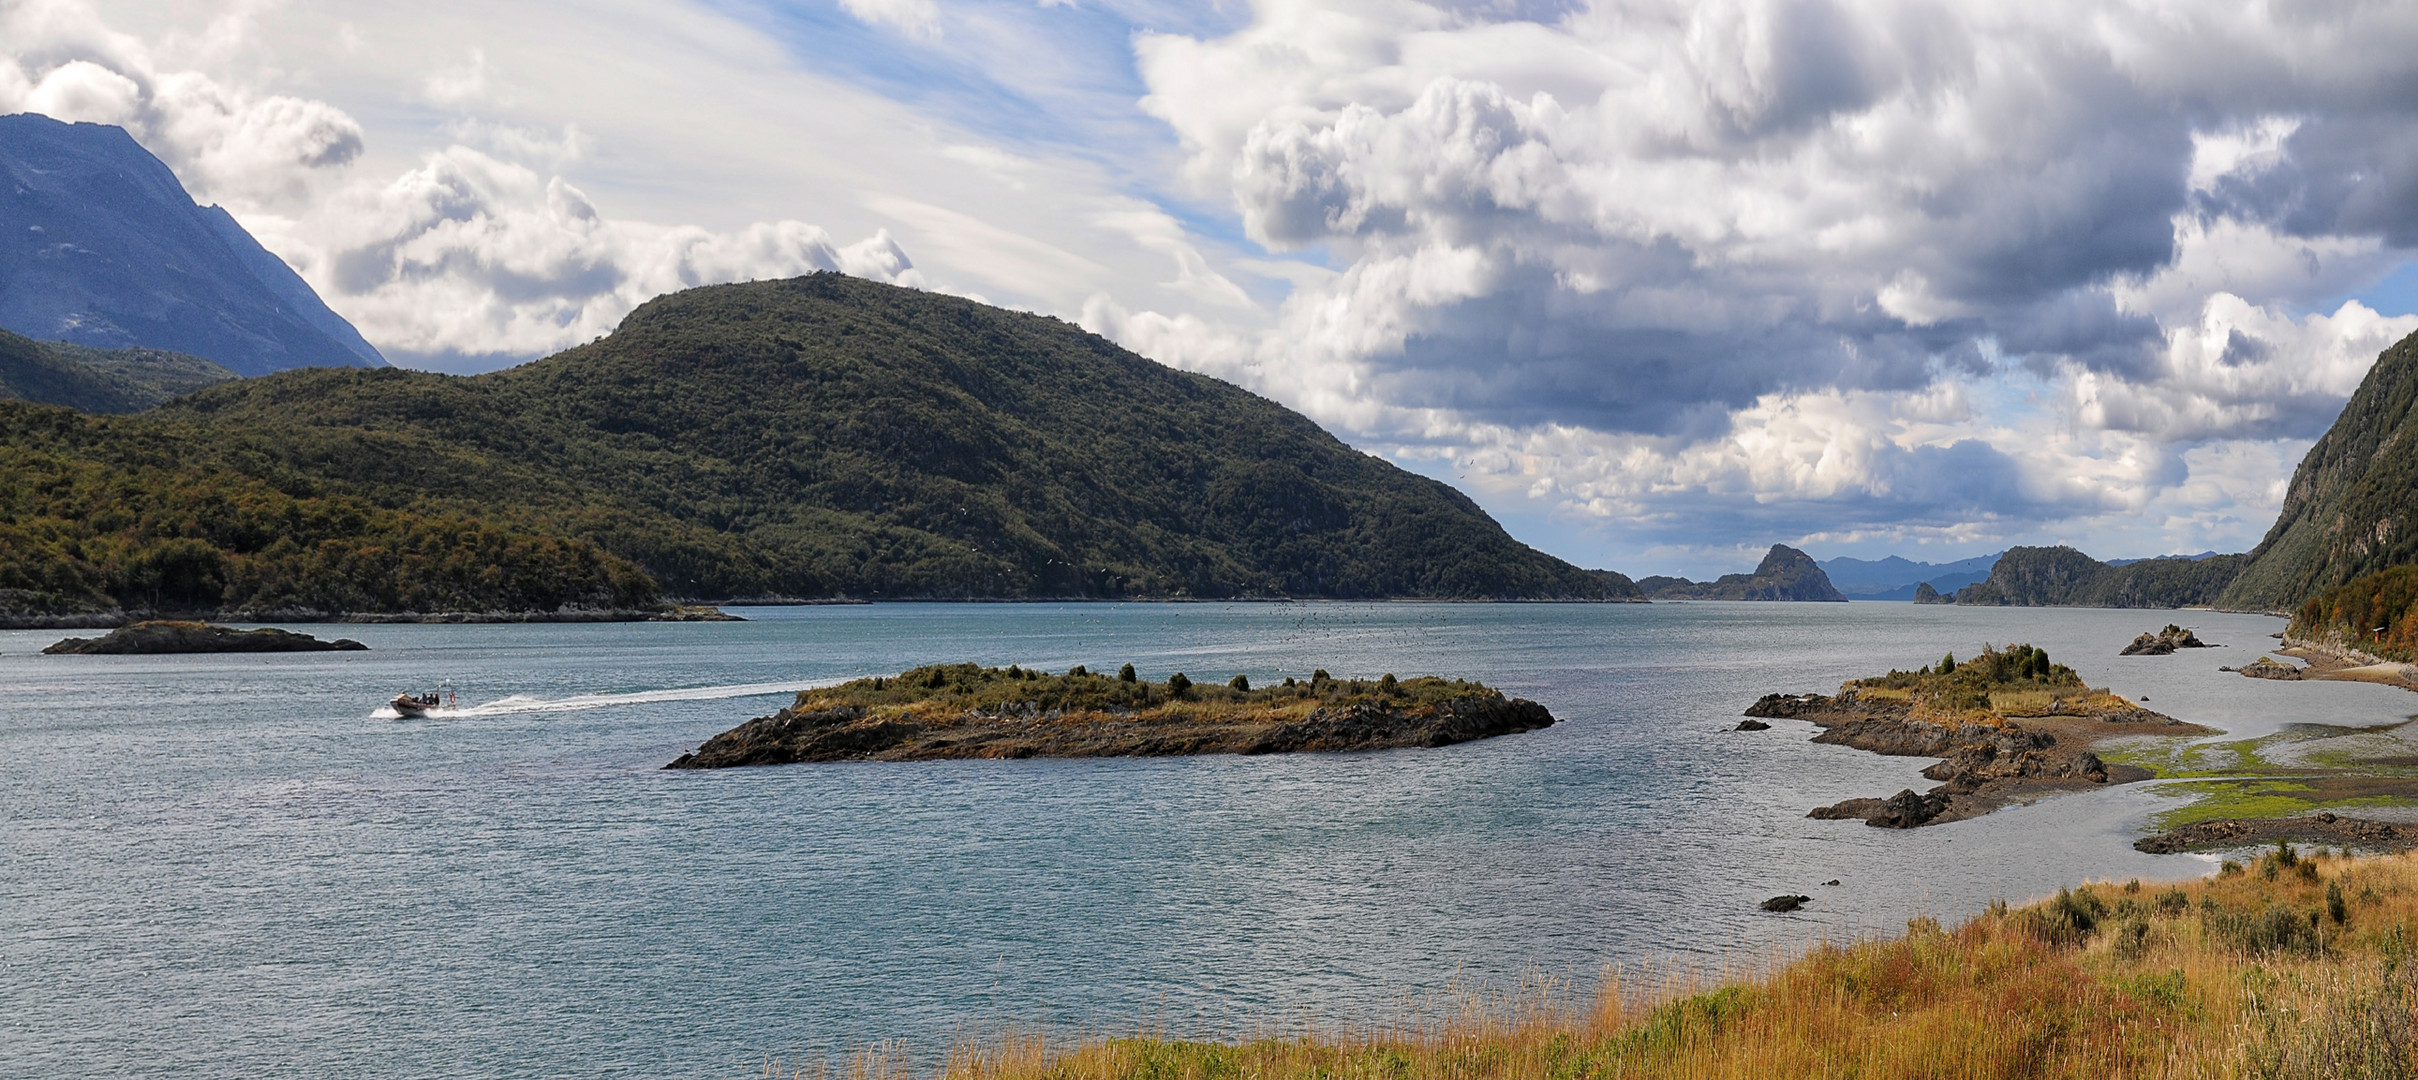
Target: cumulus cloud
1643 254
470 254
473 252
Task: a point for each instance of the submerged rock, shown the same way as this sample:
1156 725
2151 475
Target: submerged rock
1786 903
1752 725
158 637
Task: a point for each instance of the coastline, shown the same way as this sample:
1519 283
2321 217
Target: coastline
114 619
2289 966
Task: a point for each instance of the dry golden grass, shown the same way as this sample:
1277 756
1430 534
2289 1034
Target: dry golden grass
2294 967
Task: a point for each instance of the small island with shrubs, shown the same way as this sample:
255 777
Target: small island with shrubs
2008 726
970 711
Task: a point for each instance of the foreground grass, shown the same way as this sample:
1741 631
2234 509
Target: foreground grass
2295 966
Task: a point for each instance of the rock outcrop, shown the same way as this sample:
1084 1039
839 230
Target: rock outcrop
2267 667
1925 594
2164 642
1982 766
161 636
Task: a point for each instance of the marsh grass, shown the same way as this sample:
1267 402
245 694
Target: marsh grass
2297 966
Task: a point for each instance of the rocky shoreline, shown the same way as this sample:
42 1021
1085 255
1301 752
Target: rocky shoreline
857 733
2320 828
1983 765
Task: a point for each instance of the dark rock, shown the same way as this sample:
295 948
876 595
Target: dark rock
160 637
1752 725
2164 642
1850 810
1787 706
2267 668
1925 594
1832 881
1786 903
1906 810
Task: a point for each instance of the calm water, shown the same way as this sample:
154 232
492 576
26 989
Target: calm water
226 867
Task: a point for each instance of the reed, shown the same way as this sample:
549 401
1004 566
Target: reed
2294 966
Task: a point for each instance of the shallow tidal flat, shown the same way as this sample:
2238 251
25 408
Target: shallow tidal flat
524 890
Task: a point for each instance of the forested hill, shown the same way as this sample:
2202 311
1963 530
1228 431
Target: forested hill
2064 577
826 436
2349 510
98 380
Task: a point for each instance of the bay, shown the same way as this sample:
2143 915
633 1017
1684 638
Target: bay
229 866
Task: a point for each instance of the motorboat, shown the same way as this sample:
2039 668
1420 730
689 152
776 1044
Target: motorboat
410 704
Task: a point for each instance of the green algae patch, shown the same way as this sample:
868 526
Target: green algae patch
2257 798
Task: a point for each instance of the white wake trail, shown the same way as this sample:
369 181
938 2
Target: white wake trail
524 704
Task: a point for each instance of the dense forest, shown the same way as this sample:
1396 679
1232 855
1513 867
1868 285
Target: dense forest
100 516
2063 577
817 437
2374 613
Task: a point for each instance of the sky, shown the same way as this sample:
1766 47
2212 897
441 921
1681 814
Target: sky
1658 283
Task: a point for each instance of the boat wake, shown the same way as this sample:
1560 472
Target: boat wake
523 704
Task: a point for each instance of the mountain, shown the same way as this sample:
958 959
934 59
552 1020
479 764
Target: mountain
96 380
2348 512
1785 574
826 436
2063 577
1896 578
101 246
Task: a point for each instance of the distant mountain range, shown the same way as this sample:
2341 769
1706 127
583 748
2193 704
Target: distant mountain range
817 437
101 246
1895 578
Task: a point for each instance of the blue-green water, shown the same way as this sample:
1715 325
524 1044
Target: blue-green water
228 867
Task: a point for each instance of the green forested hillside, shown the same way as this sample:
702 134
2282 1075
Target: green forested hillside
98 380
2348 511
826 436
1785 574
2064 577
104 515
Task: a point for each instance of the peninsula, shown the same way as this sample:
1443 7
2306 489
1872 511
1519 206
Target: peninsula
2008 726
968 711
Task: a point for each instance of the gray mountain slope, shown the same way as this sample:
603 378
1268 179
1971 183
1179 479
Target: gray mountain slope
101 246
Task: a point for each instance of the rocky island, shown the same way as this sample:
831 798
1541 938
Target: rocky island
2008 726
162 636
2165 642
968 711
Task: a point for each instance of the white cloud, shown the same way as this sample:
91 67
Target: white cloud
1937 271
469 252
460 84
916 18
